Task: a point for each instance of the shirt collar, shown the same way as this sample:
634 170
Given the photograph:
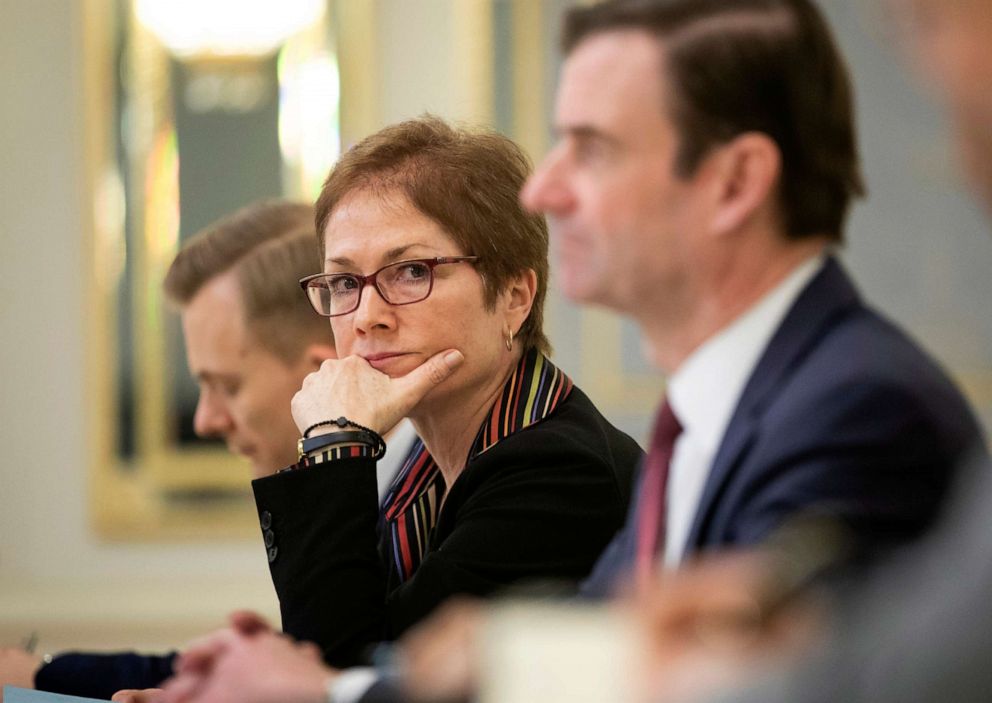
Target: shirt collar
532 393
706 388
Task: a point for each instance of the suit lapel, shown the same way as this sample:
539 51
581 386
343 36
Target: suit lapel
826 298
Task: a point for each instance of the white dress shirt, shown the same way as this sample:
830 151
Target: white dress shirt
704 392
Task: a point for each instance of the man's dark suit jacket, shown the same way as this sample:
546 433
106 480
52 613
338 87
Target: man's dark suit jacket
100 676
844 416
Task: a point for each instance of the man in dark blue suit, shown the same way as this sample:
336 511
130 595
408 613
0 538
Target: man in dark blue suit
705 166
920 630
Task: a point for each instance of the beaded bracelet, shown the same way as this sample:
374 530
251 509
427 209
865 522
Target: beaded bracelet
341 422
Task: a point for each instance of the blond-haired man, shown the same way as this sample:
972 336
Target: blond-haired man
251 338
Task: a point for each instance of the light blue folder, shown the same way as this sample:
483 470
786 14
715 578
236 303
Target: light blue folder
12 694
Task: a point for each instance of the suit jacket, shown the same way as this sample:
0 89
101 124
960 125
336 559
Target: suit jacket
539 501
843 415
100 676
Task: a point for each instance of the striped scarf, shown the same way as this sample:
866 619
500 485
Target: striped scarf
410 509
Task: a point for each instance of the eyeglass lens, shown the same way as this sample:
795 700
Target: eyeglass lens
400 283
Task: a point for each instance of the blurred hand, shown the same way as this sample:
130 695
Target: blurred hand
201 653
439 657
247 663
713 625
352 388
265 667
200 657
148 695
17 668
248 622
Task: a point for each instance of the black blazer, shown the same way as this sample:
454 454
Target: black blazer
541 503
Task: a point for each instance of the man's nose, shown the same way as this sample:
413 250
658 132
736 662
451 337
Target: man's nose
212 418
546 191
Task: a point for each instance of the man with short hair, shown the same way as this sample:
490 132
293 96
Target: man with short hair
251 338
921 630
705 166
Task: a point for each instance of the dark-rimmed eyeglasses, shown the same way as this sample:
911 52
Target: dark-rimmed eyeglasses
402 283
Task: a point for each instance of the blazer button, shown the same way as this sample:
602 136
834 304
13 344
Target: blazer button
273 551
266 519
270 538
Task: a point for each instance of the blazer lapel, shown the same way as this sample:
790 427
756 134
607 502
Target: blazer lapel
826 298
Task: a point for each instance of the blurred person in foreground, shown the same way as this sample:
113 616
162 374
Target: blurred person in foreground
251 338
699 185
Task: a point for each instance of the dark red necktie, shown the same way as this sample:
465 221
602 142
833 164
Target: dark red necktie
651 504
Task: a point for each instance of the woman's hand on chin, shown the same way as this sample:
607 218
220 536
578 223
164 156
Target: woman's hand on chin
352 388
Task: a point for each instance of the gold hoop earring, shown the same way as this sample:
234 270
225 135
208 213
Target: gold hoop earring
509 339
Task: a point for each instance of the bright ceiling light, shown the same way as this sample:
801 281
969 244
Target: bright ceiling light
222 28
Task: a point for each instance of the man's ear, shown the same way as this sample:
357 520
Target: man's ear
747 175
519 294
317 353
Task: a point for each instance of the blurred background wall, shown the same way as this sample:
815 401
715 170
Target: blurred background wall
916 246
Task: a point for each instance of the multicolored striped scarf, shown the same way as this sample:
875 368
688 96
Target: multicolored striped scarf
410 509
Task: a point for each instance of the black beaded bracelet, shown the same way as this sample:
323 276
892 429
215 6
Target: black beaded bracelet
341 422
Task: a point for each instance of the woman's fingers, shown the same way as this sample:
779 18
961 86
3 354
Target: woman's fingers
416 384
352 388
